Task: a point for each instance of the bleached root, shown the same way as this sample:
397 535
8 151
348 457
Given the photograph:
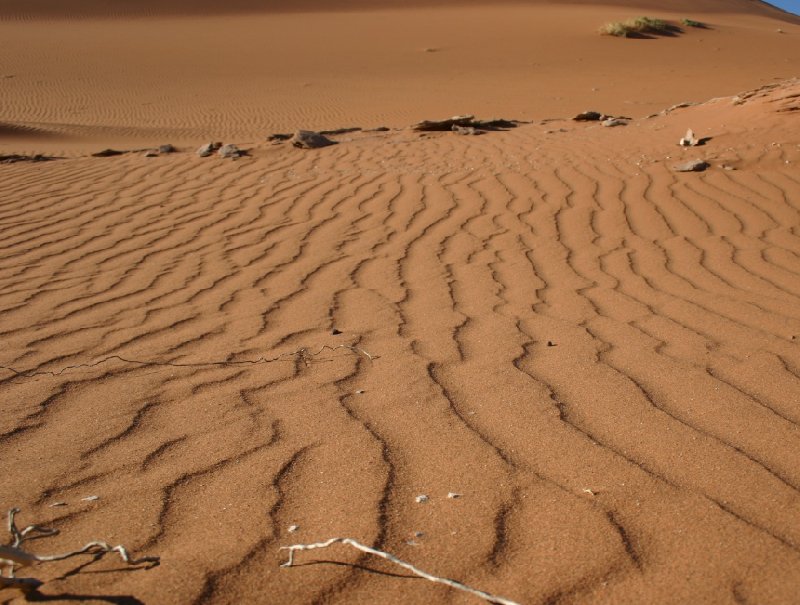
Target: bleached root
391 558
13 556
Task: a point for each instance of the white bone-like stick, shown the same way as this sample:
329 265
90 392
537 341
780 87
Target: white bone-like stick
391 558
13 556
98 548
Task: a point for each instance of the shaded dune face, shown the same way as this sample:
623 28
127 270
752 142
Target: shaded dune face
56 9
598 353
237 76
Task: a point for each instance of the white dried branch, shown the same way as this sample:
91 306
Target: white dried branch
392 559
13 556
19 536
98 548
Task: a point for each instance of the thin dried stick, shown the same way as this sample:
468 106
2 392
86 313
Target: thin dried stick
305 354
391 558
20 536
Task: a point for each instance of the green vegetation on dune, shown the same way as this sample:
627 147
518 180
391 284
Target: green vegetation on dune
638 26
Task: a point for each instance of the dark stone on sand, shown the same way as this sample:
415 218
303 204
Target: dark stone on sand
231 151
336 332
691 166
13 158
277 137
463 122
164 149
379 129
108 153
590 116
443 125
309 139
208 149
340 131
495 124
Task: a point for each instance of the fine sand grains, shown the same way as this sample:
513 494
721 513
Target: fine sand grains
597 354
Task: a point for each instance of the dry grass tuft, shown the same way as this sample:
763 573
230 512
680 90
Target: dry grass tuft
639 26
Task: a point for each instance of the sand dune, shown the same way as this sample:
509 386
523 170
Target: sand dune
597 352
125 8
243 76
649 455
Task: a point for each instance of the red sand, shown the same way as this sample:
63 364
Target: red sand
598 352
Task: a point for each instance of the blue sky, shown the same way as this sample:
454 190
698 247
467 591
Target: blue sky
788 5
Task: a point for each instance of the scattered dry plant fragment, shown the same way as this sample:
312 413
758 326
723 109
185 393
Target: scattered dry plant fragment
640 26
392 559
304 355
13 556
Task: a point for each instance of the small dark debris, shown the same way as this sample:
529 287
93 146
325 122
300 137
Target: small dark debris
166 149
590 116
340 131
550 343
692 166
308 139
278 137
336 332
231 151
208 149
13 158
108 153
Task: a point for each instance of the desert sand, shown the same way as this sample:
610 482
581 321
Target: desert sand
587 361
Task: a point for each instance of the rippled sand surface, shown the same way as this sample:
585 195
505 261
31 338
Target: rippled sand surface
599 354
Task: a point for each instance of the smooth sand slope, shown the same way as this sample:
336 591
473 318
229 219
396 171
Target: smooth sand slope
598 353
241 76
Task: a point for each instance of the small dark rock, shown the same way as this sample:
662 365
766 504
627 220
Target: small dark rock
208 149
308 139
692 166
590 116
231 151
495 124
550 343
278 137
378 129
13 158
166 149
443 125
340 131
107 153
336 332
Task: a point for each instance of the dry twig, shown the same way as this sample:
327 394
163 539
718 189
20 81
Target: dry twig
13 556
305 354
391 558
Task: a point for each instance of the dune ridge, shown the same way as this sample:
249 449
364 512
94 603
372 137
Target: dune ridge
241 77
600 354
53 9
